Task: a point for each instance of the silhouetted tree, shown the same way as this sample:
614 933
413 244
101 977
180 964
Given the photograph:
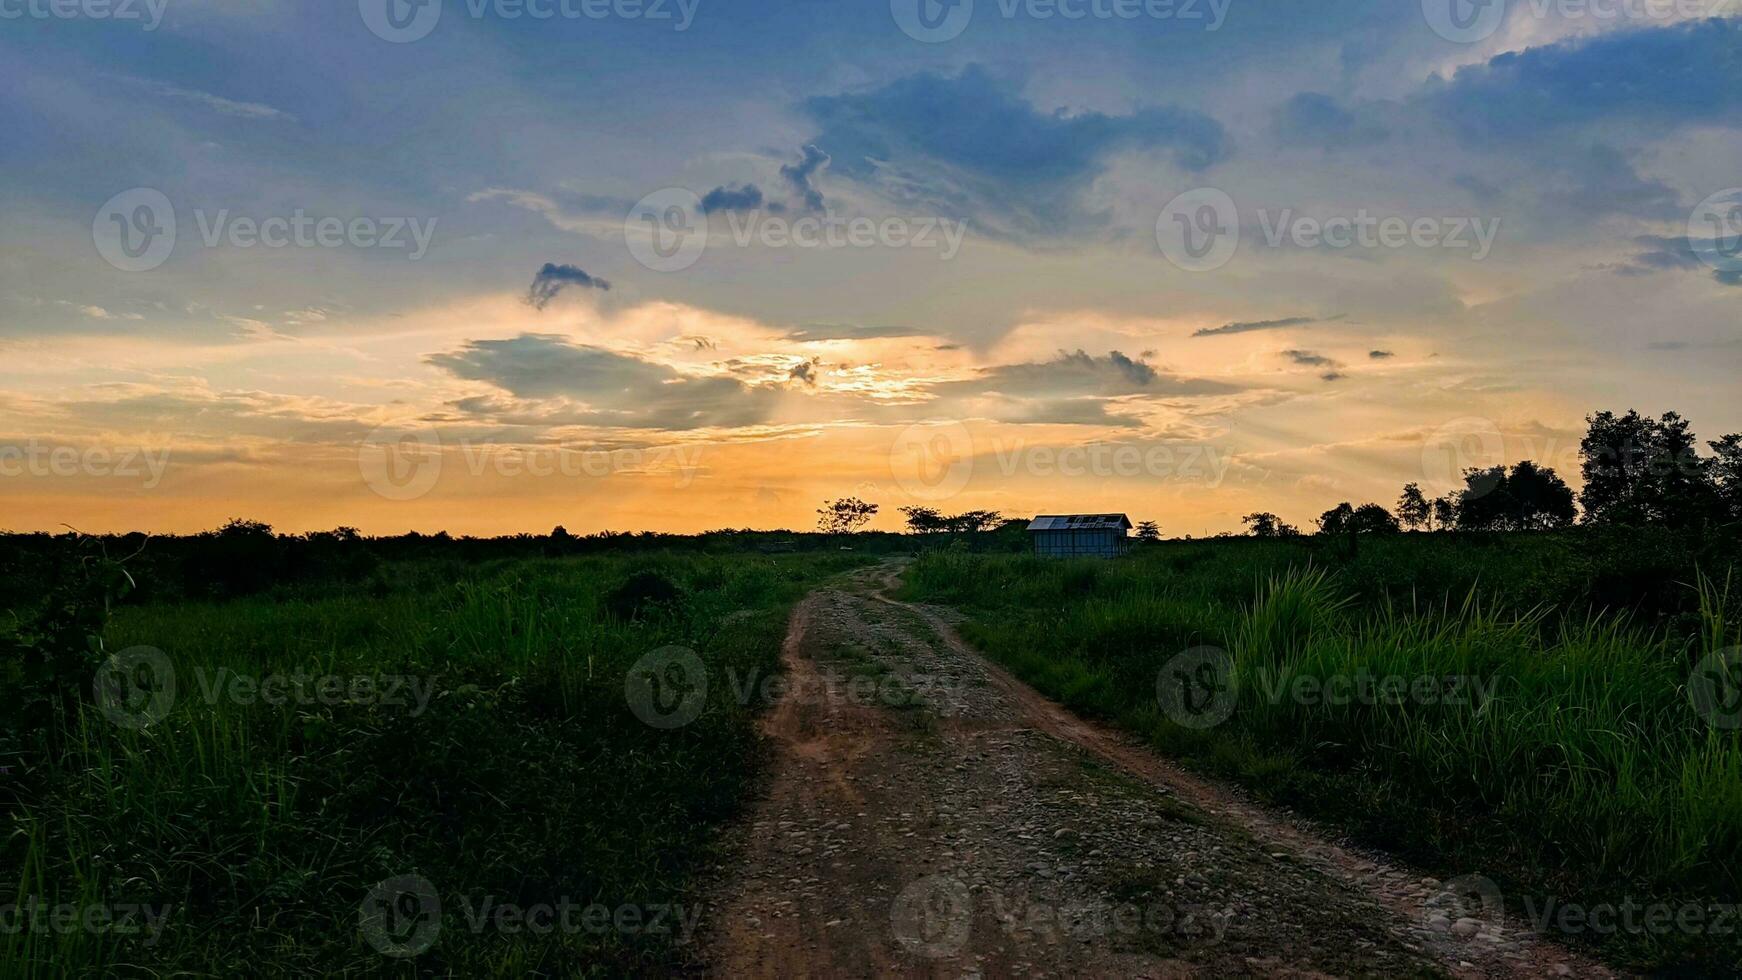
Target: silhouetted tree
1413 510
1445 512
1148 531
1345 518
1529 498
1267 525
1643 471
845 515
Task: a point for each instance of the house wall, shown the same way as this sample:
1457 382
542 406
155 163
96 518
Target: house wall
1093 543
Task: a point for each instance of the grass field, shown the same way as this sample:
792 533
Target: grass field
461 726
1552 746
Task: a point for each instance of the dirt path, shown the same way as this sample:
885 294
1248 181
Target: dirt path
929 815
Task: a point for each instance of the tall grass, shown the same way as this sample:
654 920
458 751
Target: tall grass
526 779
1582 771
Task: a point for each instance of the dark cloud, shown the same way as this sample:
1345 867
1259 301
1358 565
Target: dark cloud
1254 325
585 385
745 198
799 176
1081 374
805 372
1307 358
1380 355
969 147
1685 73
1660 253
1332 376
553 279
1313 119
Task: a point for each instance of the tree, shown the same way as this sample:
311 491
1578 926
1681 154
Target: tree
973 521
1643 471
923 520
844 516
1529 498
1445 512
1725 471
1413 510
1346 518
1148 531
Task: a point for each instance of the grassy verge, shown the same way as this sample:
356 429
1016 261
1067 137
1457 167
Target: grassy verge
470 732
1553 750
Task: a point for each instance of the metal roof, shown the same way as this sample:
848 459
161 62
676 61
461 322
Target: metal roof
1081 522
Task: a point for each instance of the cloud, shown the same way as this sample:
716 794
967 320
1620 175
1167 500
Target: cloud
1307 358
1079 374
805 372
553 279
1380 355
579 384
799 176
1332 376
829 331
228 107
1315 119
1657 78
970 147
1254 325
745 198
1681 252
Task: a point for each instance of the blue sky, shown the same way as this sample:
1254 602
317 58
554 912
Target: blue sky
1562 179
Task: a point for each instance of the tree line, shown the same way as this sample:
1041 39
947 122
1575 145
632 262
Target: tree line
1638 471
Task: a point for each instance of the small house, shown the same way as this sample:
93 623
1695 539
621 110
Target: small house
1080 535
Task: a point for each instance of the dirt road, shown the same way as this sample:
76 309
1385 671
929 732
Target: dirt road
929 815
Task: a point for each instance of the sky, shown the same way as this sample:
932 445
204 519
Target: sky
491 266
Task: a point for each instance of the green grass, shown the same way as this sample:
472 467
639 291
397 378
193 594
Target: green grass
525 779
1585 775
